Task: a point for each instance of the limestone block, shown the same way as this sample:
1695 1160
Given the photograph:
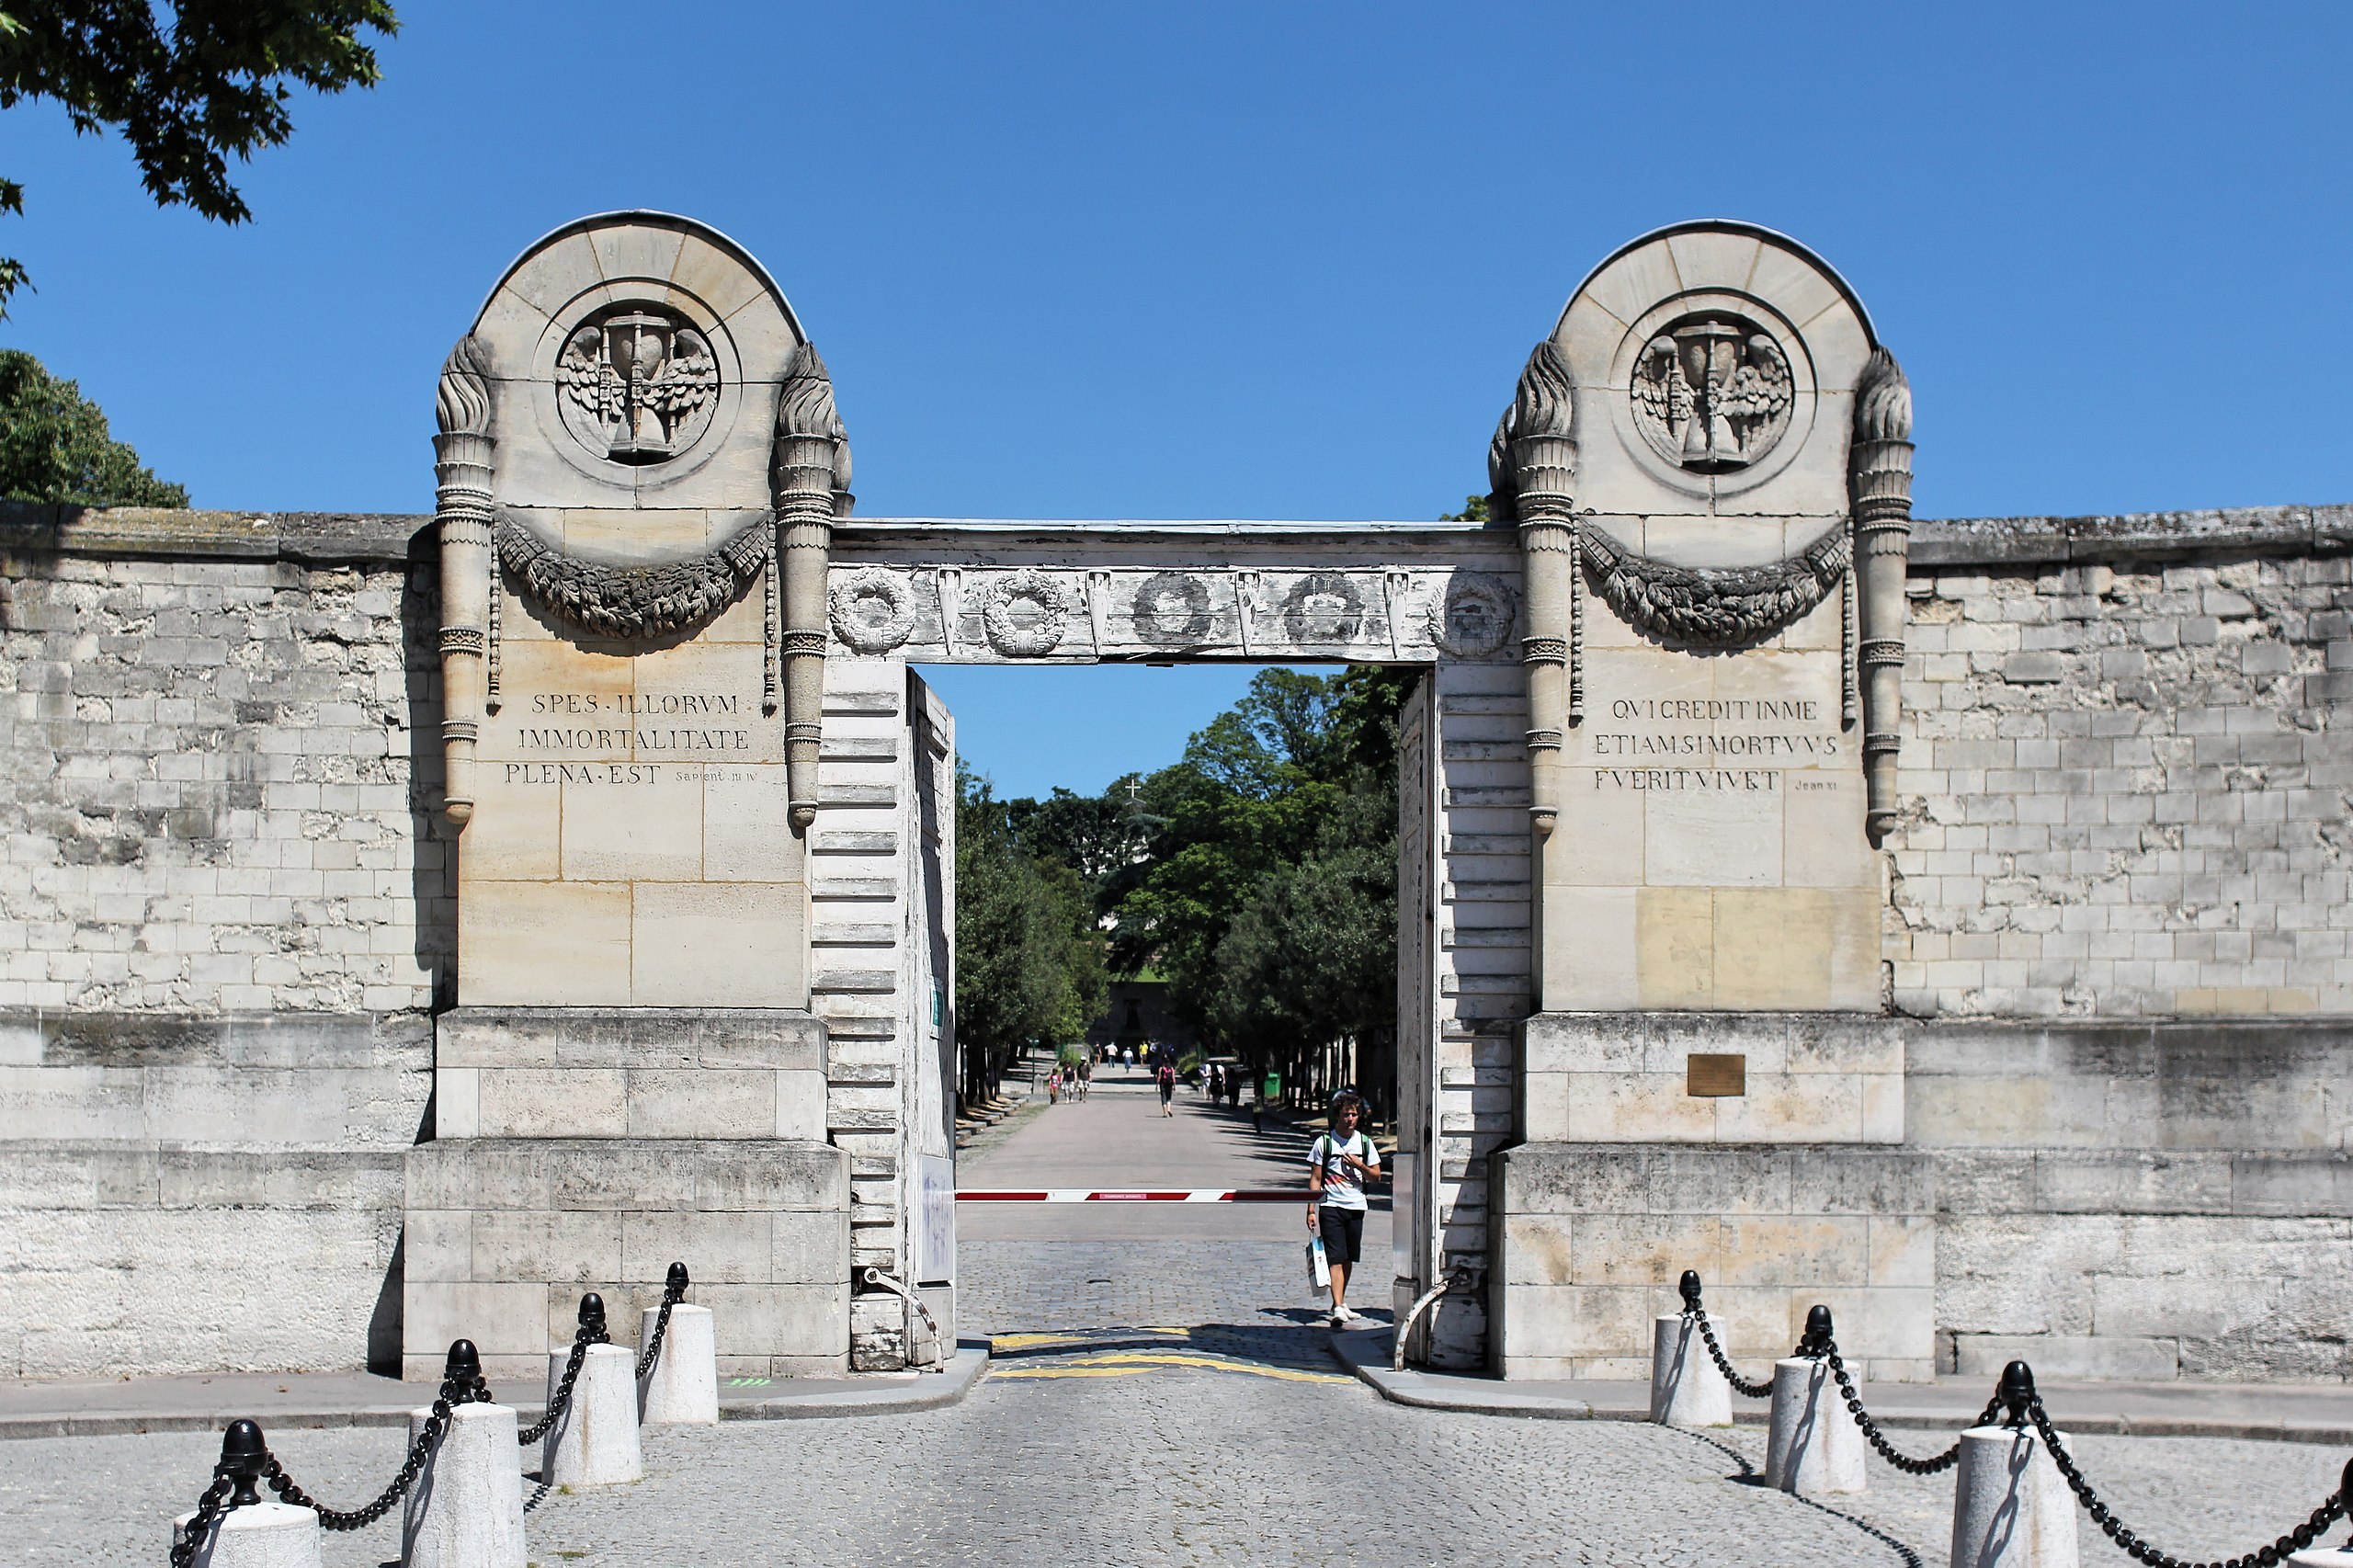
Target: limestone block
466 1509
701 1102
593 1441
531 1102
1813 1447
543 943
706 944
731 1247
1686 1390
682 1386
259 1535
2011 1507
559 1247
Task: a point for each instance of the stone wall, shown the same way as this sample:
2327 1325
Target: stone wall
2127 769
225 915
227 919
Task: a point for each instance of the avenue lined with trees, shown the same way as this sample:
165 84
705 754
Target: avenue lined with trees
1257 875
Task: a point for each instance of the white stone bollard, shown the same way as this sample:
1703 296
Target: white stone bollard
1813 1447
682 1388
1685 1388
466 1508
594 1442
2324 1557
2011 1507
259 1535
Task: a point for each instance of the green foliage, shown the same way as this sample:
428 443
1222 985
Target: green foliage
1266 893
1029 958
190 86
54 445
1474 510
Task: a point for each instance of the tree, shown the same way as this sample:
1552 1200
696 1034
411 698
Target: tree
1029 958
54 445
189 85
1266 892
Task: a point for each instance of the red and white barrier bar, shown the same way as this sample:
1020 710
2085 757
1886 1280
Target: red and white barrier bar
1105 1195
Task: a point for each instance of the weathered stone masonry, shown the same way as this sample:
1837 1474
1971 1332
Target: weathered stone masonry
227 919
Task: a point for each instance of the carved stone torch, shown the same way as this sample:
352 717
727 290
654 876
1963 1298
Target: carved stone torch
1879 492
810 442
1544 461
462 452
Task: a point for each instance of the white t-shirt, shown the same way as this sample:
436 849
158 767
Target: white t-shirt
1342 1189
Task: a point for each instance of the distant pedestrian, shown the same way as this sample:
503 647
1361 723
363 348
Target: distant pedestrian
1234 1089
1085 1079
1167 1089
1054 1086
1339 1164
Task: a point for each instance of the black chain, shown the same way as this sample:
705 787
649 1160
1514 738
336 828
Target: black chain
590 1333
1934 1465
208 1508
2279 1550
453 1392
671 1295
1740 1385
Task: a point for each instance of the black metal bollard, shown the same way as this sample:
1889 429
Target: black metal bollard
1817 1340
678 1282
245 1454
2017 1393
461 1379
592 1315
1690 1288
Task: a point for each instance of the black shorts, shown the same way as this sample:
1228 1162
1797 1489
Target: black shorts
1166 1092
1343 1233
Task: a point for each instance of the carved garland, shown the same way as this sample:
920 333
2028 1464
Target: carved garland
634 601
1714 606
1049 602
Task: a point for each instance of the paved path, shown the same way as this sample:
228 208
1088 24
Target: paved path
1160 1398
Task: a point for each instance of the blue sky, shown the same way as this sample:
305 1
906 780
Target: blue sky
1257 260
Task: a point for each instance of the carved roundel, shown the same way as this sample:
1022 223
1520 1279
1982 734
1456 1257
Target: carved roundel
873 611
1024 612
636 383
1473 620
1324 607
1712 391
1172 610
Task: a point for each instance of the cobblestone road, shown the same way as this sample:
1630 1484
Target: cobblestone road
1164 1400
1180 1466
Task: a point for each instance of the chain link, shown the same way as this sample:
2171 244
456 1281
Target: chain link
2279 1550
1934 1465
1740 1385
208 1508
672 1293
453 1392
561 1400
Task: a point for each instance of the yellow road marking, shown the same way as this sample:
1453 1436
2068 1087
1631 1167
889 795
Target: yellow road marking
1132 1363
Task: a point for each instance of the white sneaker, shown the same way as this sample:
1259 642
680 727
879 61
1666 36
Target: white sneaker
1349 1314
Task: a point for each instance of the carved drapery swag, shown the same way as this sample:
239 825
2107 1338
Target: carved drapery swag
658 600
1714 607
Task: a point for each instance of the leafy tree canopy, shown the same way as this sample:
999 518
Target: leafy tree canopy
189 85
54 445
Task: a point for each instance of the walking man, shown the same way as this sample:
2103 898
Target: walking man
1339 1164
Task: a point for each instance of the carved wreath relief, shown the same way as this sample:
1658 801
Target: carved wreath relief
873 611
1324 607
639 384
1024 612
1172 610
1712 392
1473 618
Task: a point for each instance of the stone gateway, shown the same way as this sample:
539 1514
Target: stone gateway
1946 921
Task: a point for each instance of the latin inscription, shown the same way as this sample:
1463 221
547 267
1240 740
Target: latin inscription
1699 744
672 727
